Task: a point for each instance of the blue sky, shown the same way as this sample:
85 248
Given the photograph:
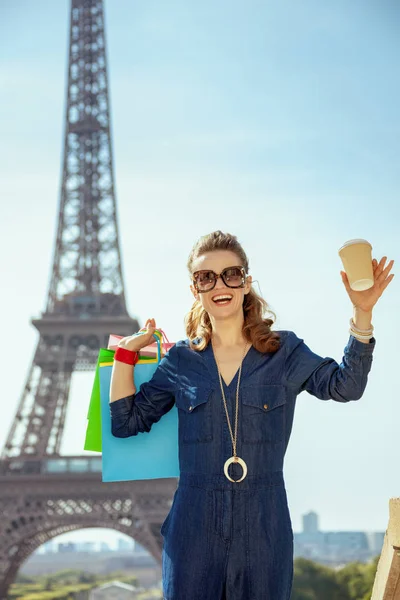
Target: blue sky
278 122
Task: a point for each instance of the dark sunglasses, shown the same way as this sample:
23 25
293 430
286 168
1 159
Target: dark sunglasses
205 281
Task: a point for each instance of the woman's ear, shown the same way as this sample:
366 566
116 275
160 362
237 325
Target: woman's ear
194 292
247 286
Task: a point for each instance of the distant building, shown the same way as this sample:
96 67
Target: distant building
347 545
310 523
336 547
66 547
115 590
139 549
375 541
86 547
124 545
104 547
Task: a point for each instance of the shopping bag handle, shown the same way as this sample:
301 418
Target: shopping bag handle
160 338
160 331
166 340
164 335
157 340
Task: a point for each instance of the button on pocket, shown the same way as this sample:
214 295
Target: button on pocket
195 422
263 413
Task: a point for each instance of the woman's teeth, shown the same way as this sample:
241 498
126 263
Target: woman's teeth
222 299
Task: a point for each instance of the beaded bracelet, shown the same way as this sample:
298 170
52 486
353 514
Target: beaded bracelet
126 356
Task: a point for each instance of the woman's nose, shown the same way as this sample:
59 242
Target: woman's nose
220 283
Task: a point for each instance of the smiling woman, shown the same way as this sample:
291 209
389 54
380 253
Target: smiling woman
218 262
235 384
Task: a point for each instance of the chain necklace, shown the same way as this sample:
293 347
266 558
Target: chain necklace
234 458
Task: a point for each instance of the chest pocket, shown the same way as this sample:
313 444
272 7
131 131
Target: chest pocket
263 414
195 420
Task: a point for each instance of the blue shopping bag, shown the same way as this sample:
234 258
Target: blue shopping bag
150 455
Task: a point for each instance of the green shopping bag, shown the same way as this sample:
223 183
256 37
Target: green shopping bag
93 429
147 355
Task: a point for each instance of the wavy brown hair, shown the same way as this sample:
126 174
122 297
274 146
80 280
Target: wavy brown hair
256 328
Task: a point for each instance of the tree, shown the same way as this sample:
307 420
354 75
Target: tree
314 582
359 579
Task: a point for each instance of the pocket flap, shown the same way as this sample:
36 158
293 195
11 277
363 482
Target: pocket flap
265 397
188 398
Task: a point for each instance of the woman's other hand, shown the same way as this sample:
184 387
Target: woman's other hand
367 299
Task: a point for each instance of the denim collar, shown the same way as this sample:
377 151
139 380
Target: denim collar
251 361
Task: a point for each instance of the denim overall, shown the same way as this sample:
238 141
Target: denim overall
225 540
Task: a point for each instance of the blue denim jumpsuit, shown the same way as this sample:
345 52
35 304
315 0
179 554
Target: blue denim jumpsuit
225 540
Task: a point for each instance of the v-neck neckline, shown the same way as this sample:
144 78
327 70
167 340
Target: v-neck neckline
215 366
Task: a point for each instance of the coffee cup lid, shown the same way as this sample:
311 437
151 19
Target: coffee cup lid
351 242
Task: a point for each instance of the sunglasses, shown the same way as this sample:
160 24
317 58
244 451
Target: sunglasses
205 281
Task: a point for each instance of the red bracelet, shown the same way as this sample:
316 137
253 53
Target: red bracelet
126 356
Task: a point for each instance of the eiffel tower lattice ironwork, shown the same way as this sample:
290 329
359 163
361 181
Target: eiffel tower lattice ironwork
44 494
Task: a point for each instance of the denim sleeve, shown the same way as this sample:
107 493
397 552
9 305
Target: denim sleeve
136 413
324 377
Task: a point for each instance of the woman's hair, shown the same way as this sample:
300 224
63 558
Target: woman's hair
256 329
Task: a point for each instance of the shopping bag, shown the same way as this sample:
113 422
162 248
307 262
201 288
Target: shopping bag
150 353
93 428
149 455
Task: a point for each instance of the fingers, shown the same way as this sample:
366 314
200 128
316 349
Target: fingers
150 326
150 323
380 273
345 281
386 271
386 282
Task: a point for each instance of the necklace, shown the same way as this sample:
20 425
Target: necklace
234 458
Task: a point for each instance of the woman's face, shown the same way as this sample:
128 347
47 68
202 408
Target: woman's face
222 302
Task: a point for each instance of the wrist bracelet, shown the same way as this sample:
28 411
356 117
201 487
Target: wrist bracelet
360 337
126 356
361 331
364 337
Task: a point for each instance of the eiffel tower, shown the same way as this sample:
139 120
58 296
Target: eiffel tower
42 493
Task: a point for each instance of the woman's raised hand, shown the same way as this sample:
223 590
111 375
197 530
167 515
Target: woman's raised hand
136 342
367 299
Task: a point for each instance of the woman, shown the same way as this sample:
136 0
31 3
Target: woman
235 382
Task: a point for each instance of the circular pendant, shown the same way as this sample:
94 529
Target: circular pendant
235 459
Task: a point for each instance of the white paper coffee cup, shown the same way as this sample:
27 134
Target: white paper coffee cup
356 256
